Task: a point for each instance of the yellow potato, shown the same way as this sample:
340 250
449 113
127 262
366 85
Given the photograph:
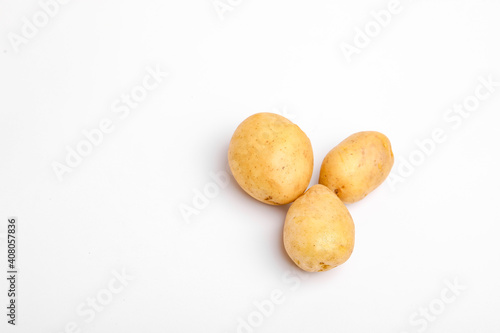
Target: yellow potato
357 165
271 158
319 232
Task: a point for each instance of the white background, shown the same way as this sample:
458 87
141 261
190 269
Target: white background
119 209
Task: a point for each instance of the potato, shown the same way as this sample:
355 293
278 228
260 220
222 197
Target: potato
271 158
319 232
357 165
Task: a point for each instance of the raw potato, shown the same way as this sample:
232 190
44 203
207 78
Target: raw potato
271 158
357 165
319 231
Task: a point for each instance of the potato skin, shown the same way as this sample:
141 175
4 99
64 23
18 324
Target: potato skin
357 165
319 231
271 158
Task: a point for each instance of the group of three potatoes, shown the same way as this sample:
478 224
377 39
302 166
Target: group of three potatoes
272 160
